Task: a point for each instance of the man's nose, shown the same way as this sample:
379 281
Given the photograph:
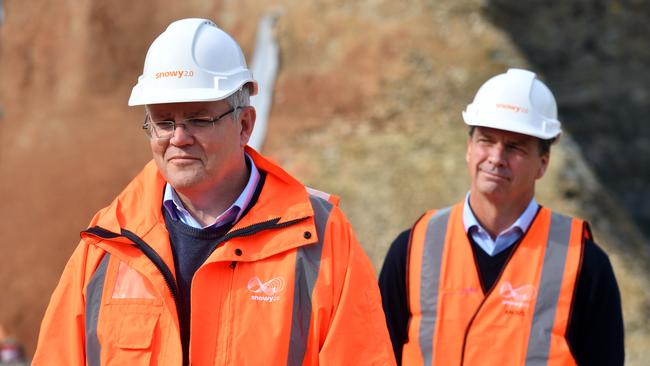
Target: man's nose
180 136
497 154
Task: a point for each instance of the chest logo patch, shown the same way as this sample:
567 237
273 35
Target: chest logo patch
265 291
519 297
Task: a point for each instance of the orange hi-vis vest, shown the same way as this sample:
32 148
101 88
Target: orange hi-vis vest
521 320
288 285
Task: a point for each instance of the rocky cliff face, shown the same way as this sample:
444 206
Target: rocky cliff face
367 105
595 55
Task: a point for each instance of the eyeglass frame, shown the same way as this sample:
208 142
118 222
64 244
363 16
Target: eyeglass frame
148 127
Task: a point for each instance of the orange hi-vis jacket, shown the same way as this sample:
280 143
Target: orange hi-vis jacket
521 320
287 285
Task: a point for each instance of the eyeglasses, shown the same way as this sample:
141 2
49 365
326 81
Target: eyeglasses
165 129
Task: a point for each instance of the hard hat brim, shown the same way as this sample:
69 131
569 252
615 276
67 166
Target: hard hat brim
553 130
161 96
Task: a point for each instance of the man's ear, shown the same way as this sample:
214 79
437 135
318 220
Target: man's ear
247 119
544 164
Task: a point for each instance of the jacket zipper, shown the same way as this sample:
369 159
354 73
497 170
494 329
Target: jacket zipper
228 322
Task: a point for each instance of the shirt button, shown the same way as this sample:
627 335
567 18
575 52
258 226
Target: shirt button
307 235
238 252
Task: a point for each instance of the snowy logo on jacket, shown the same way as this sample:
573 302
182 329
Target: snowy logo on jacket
265 291
519 297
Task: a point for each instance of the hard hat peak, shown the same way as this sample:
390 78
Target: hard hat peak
192 60
197 21
520 72
515 101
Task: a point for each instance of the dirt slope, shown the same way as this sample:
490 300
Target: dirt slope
367 105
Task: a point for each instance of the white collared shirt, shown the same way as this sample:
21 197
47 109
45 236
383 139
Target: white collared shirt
175 208
507 237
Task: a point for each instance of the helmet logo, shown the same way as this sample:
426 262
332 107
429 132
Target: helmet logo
175 74
512 107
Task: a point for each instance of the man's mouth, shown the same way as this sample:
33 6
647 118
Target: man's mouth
494 175
182 159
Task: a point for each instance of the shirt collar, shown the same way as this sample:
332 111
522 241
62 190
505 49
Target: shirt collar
177 211
522 222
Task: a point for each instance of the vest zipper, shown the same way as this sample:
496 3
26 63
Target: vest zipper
469 325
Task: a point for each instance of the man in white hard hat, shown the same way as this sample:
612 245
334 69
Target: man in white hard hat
498 279
213 255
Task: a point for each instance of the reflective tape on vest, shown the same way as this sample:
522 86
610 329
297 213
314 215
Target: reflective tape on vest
429 284
539 343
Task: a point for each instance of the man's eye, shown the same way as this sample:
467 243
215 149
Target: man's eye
164 125
197 122
517 148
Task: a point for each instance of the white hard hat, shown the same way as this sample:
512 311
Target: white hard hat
192 61
515 101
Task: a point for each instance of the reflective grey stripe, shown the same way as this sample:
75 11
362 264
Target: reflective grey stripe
434 242
93 301
307 267
539 343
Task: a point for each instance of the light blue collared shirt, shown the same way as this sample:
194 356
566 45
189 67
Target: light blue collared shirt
507 237
177 211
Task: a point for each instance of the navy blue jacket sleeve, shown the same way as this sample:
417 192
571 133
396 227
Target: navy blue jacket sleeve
392 284
595 334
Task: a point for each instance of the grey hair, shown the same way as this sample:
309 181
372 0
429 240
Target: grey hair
241 98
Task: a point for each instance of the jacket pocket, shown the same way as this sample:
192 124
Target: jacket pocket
134 344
